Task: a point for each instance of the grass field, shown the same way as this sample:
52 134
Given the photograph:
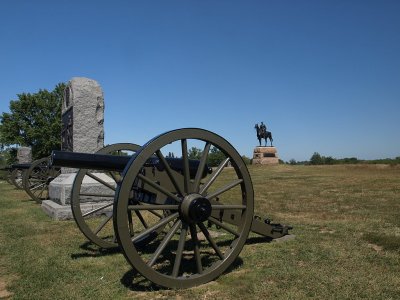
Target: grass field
346 223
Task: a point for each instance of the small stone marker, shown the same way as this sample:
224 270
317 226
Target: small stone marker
24 155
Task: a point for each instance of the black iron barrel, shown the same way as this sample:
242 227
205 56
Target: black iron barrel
117 163
20 166
88 160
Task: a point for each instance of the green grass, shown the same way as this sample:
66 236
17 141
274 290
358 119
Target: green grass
346 221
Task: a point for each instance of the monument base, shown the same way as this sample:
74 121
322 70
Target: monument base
64 212
58 206
265 156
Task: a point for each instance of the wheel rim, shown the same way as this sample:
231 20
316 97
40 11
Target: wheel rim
95 222
37 179
180 257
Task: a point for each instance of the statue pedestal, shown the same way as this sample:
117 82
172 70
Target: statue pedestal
265 156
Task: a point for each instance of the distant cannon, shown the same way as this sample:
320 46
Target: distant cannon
178 222
37 178
33 177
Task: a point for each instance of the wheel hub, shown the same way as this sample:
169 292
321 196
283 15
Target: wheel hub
195 208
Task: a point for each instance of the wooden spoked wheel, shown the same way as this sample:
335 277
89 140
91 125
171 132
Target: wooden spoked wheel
17 176
196 244
92 198
37 179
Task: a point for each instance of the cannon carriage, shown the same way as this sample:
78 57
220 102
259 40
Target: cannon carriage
179 222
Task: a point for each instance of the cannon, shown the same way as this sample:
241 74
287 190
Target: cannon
37 177
179 222
33 177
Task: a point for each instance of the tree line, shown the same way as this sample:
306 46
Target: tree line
318 159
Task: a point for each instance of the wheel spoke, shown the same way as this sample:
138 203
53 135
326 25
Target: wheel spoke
100 180
153 207
96 195
113 176
186 172
169 171
201 167
179 250
149 230
101 226
222 225
97 209
159 188
156 214
44 187
164 243
229 206
221 166
130 222
211 240
196 250
225 188
35 187
139 215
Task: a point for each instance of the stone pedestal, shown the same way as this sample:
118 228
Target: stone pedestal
265 156
59 208
62 188
82 131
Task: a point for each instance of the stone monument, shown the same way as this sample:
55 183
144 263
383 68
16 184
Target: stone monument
82 131
24 155
264 155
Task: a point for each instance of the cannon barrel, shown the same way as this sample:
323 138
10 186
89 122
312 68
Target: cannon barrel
117 162
21 166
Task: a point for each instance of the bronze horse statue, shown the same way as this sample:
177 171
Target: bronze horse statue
263 134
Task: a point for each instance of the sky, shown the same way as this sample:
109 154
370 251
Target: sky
324 76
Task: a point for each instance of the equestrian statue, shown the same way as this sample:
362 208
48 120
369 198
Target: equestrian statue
262 133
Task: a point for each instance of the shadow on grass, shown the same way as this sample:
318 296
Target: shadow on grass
387 242
134 281
91 250
258 240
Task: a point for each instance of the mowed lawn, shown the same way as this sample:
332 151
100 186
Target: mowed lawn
346 223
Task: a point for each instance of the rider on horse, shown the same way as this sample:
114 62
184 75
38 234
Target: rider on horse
262 133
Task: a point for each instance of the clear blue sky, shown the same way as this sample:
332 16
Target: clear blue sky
323 75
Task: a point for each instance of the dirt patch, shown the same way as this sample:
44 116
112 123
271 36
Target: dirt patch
4 294
375 247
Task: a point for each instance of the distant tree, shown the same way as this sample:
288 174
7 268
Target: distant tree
328 160
194 153
316 159
292 161
246 160
3 161
34 121
350 160
215 157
